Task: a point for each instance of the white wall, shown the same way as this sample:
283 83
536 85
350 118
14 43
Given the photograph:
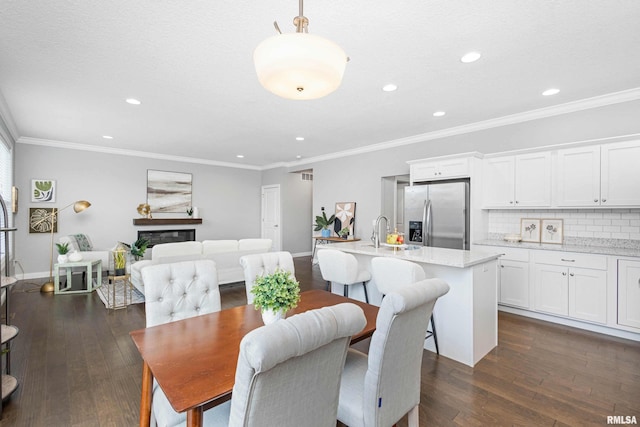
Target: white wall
228 199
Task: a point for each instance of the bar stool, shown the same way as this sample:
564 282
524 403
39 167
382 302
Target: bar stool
340 267
391 273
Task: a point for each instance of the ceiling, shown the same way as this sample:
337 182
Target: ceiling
67 66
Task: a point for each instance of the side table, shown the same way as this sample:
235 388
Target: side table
116 283
90 265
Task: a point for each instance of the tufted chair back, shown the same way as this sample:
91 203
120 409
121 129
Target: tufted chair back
261 264
180 290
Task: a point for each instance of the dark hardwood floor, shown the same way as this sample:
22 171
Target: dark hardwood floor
77 366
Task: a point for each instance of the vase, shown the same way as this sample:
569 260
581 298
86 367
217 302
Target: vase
75 256
326 232
270 316
62 259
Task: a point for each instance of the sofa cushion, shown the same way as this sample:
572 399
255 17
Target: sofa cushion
218 246
176 249
83 242
259 245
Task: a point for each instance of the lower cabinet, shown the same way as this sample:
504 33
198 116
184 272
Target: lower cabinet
514 283
629 293
565 290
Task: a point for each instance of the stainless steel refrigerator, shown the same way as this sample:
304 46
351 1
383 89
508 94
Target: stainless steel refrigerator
437 214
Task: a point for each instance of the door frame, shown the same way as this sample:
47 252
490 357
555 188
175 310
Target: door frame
279 214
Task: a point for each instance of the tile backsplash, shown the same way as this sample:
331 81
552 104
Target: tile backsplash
578 223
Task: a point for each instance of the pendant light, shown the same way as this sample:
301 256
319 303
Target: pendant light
299 65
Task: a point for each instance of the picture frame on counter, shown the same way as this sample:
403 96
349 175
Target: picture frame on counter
530 230
551 231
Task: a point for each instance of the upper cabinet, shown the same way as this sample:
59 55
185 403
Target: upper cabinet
517 181
446 167
602 175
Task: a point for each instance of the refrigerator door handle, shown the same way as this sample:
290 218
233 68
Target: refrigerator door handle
426 220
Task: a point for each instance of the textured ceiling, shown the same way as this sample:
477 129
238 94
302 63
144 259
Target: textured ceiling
67 66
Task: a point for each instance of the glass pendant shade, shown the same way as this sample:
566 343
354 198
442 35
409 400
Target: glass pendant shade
299 66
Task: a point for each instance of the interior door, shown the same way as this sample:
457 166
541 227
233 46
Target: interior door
271 215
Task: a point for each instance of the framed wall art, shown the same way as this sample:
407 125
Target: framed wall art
42 219
345 217
168 191
530 230
43 190
551 231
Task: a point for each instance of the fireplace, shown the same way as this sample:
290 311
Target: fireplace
167 236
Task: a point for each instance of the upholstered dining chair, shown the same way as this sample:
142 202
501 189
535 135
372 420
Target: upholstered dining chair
255 265
288 372
173 292
343 268
379 389
392 273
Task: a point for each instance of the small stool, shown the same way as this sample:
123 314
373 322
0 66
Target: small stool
116 283
391 273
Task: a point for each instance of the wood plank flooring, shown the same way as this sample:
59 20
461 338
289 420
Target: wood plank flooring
78 367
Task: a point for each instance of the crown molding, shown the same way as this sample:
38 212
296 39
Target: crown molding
556 110
133 153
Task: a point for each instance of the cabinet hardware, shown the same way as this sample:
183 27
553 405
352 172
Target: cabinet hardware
595 200
564 274
604 200
571 274
511 201
567 260
517 201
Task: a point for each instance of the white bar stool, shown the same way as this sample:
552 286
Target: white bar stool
341 267
391 274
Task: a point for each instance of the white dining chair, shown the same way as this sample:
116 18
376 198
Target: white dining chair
380 388
262 264
173 292
342 268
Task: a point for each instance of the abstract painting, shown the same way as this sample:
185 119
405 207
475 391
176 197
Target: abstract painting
43 190
168 191
345 217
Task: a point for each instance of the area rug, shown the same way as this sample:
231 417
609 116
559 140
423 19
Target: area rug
136 296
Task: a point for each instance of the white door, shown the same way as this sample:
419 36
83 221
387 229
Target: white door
551 289
577 177
588 294
498 174
514 283
271 215
533 179
629 293
621 174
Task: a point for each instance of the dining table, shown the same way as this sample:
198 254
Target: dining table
194 360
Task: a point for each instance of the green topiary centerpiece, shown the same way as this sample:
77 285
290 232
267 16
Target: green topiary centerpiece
275 294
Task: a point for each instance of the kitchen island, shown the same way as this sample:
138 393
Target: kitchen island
467 316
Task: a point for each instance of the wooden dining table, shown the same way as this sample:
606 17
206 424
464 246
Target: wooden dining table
194 360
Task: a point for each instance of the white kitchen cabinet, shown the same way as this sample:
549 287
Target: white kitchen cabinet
629 293
440 169
514 277
601 175
620 174
517 181
573 285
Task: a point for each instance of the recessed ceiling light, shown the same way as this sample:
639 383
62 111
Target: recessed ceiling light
299 138
298 156
439 114
107 137
470 57
133 101
389 87
240 156
550 92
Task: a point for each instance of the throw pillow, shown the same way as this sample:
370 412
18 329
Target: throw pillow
83 242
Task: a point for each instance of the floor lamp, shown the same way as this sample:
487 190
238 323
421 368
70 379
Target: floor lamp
78 207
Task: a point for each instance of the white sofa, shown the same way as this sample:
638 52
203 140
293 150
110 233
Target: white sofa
83 245
225 253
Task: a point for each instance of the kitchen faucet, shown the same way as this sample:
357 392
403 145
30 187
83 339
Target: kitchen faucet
376 230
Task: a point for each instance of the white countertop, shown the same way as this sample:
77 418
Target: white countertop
426 255
602 250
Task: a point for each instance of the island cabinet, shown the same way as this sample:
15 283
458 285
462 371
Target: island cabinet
601 175
513 276
571 284
629 293
517 181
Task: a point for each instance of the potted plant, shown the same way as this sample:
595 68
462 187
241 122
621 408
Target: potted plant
322 223
275 294
120 260
139 247
344 233
190 212
63 250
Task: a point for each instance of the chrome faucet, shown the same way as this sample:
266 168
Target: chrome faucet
376 230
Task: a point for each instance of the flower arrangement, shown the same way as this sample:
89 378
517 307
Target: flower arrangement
278 292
